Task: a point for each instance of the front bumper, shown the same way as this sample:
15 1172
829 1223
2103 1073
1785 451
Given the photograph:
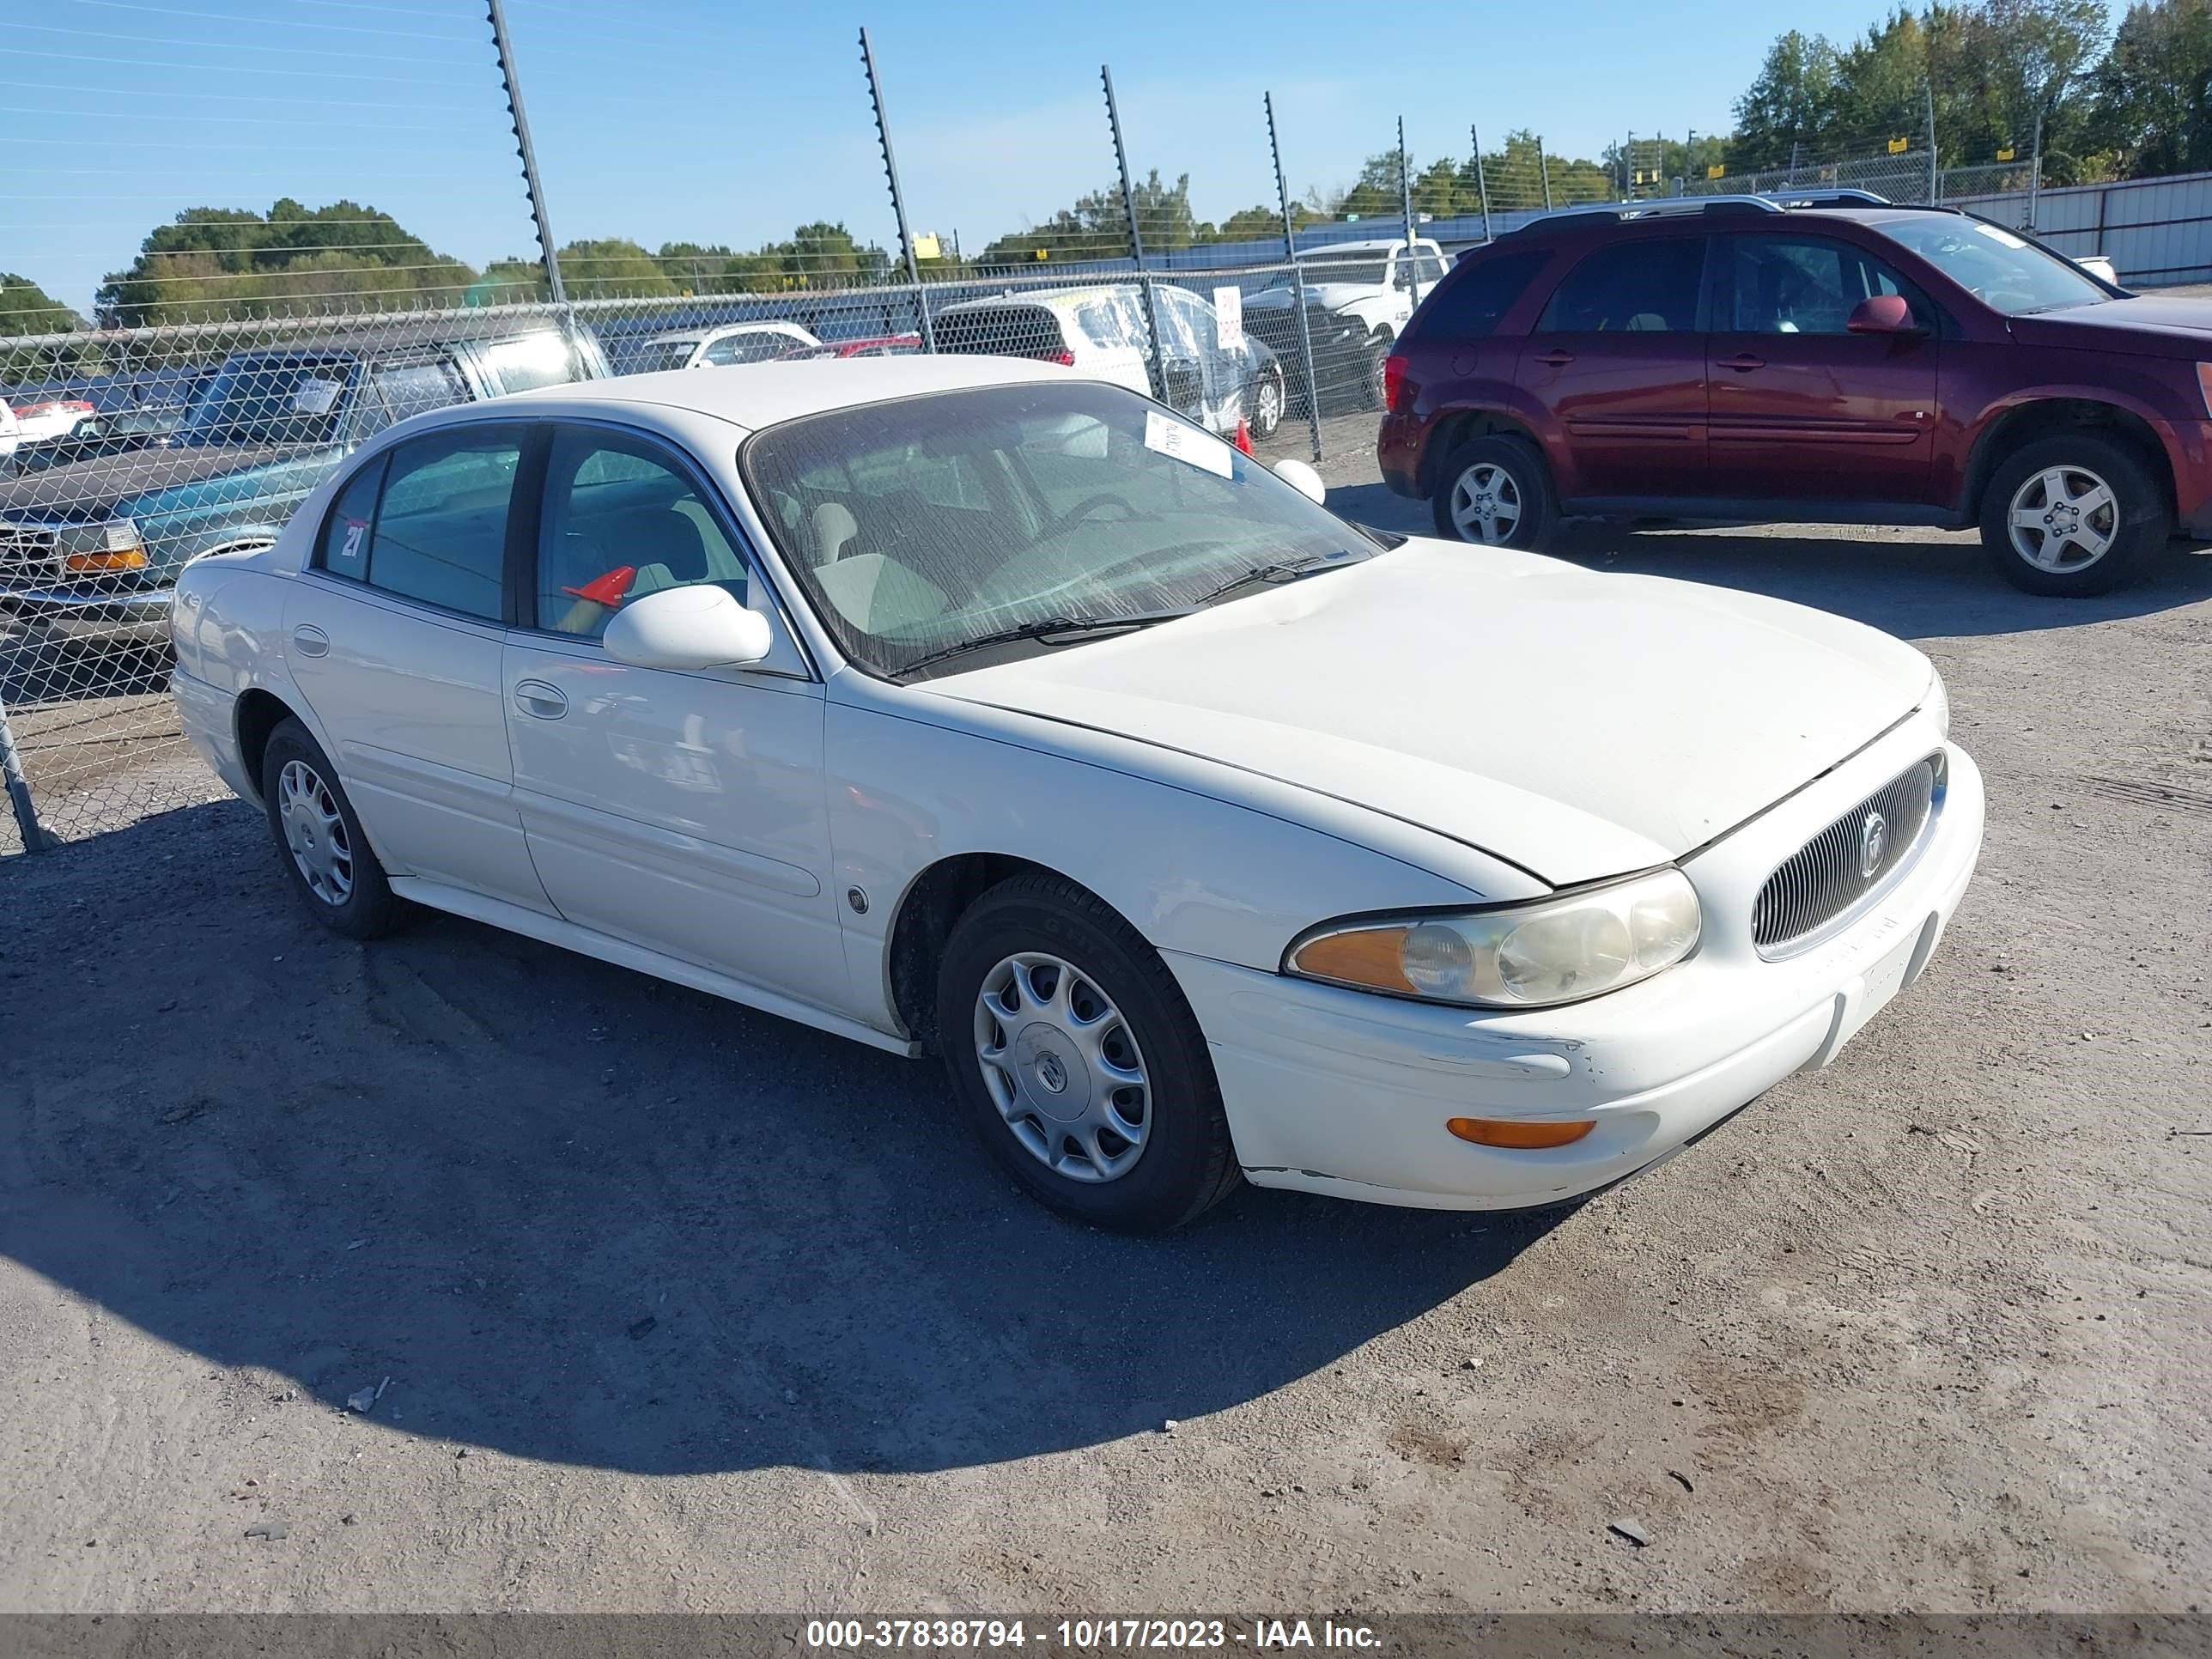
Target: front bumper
1337 1092
134 617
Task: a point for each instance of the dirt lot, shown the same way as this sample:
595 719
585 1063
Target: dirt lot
671 1305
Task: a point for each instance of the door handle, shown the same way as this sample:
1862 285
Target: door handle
1743 362
310 641
1555 359
540 701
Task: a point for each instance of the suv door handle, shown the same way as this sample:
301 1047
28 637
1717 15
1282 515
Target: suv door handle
1555 359
310 641
1743 362
540 701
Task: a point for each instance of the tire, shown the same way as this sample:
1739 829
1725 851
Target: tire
1508 474
1041 947
1268 389
333 869
1372 375
2085 549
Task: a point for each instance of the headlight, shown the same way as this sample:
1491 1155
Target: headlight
1937 703
1522 955
92 549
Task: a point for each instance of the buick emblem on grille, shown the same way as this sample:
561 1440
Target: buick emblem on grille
1874 840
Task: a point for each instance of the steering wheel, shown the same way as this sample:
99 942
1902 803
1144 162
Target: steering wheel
1082 508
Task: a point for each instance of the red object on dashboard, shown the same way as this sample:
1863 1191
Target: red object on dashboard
607 590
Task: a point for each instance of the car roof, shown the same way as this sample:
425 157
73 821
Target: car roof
701 335
1371 245
1051 299
754 395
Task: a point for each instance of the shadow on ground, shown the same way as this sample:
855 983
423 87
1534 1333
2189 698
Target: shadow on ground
1918 584
577 1215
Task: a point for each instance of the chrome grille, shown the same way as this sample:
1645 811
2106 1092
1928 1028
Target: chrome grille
1846 863
29 552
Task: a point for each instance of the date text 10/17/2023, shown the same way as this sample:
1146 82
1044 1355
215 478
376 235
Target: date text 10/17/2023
1089 1635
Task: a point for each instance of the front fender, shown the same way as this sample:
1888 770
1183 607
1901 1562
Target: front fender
1160 836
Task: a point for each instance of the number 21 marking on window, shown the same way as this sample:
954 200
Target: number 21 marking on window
356 529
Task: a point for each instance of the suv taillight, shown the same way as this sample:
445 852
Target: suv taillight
1393 380
1064 357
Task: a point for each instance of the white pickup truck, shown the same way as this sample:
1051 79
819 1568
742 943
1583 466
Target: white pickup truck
1359 296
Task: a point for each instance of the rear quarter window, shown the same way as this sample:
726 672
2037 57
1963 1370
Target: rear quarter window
1475 298
1016 330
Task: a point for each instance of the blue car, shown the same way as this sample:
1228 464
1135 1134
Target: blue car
90 549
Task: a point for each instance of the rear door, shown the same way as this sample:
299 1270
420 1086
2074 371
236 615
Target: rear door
393 634
1801 409
1617 361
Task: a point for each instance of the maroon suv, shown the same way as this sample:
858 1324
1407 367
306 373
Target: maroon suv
1857 363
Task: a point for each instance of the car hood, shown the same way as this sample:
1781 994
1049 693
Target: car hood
2167 327
88 490
1329 296
1578 725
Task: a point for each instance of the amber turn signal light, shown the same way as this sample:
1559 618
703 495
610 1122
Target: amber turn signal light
121 558
1522 1134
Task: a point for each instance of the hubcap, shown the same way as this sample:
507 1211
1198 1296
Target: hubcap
2064 517
315 832
1062 1067
1271 404
1485 503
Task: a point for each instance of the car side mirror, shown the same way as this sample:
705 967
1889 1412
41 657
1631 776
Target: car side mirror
687 628
1304 479
1884 313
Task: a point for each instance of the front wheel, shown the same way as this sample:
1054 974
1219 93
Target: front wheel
1079 1063
1495 491
1268 404
2069 516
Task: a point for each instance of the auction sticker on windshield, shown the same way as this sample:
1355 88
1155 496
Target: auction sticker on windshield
1188 445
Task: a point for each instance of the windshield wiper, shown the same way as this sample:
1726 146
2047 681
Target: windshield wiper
1281 570
1046 630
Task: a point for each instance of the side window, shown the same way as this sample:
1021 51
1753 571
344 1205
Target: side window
1805 285
1639 286
722 353
1471 305
1428 268
622 518
343 549
399 389
440 532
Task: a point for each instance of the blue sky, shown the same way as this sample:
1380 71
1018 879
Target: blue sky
731 121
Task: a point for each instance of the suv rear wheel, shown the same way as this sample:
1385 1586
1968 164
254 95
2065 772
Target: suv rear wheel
1497 491
2069 515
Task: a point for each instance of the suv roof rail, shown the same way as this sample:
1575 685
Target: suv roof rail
1673 206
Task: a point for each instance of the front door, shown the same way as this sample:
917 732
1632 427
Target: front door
683 812
393 636
1801 409
1617 360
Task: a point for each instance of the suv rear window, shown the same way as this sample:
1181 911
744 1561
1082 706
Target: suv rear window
1002 331
1642 285
1473 301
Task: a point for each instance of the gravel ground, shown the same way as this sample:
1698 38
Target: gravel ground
664 1304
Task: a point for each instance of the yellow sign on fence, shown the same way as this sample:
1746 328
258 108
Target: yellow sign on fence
2006 153
1899 146
927 246
1715 171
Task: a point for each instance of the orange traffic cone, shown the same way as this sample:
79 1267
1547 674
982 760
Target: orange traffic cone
1243 435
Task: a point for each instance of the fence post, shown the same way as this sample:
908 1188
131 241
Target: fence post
1544 169
1406 187
35 837
2035 169
1297 282
1481 183
898 199
529 153
1935 178
1158 375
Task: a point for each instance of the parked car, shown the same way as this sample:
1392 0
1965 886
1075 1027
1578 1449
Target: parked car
1358 297
1836 359
979 706
718 348
1103 331
39 419
885 345
90 549
2099 267
11 434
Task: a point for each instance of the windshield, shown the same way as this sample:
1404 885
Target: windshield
271 400
2005 272
1367 273
920 524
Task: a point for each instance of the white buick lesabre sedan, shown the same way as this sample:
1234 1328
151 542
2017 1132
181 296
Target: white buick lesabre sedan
969 705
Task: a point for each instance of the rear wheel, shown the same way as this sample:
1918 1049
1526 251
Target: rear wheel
2070 515
1079 1065
328 858
1373 376
1267 404
1495 491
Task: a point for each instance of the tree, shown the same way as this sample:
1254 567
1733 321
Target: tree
2151 90
27 308
1789 103
1098 226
